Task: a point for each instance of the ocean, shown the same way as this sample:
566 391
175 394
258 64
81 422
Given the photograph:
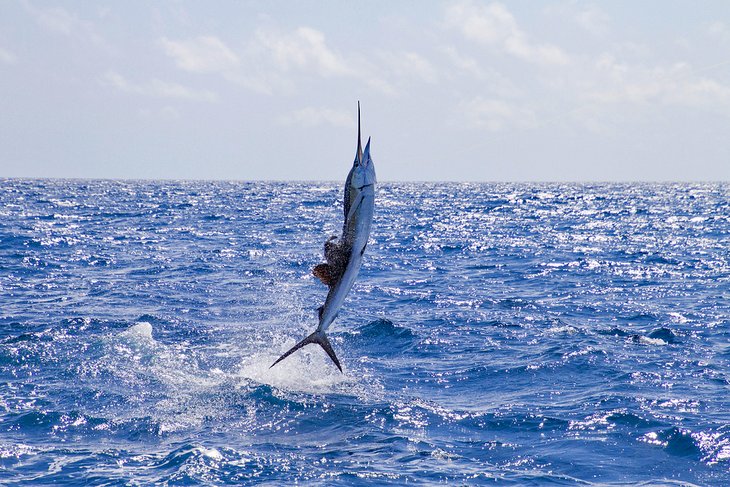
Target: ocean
513 334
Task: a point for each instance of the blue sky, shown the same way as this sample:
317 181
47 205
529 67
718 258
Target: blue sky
456 90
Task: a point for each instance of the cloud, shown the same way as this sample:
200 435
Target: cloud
493 81
303 49
276 55
201 55
590 18
593 20
63 22
464 63
674 85
278 61
271 61
313 117
494 26
407 64
720 31
55 19
7 57
495 115
157 88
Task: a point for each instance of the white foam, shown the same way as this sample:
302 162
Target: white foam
652 341
562 329
678 317
139 331
181 393
211 453
308 370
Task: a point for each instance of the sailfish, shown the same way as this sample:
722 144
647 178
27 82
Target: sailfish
343 256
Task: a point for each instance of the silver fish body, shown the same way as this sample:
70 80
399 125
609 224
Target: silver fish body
345 255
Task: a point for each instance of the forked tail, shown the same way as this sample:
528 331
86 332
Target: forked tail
320 339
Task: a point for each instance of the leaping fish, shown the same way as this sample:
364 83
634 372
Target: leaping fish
343 256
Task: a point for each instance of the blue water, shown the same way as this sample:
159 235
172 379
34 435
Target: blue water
527 334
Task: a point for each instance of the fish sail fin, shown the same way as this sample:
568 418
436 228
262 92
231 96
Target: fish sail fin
320 339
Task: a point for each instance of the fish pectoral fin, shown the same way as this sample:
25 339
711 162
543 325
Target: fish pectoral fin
324 273
320 339
354 205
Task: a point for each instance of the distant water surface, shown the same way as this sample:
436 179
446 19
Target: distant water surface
526 334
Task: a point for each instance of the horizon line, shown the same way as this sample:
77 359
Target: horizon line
455 181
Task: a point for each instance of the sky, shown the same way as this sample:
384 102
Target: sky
463 90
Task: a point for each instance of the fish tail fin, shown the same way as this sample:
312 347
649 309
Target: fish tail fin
320 339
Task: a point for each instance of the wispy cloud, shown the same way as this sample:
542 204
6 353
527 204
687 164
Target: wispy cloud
464 63
55 19
409 65
271 61
494 114
66 23
593 20
316 116
274 60
494 25
677 84
157 88
588 17
720 31
303 49
201 54
492 80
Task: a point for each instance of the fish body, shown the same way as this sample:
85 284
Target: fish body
343 256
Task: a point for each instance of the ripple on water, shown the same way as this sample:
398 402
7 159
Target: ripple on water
522 333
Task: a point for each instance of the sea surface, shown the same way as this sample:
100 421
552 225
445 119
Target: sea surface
513 334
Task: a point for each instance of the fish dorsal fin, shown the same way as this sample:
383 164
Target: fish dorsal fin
366 154
348 195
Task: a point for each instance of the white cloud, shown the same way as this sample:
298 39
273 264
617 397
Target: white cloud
202 54
7 57
271 61
278 61
674 85
260 79
406 64
304 49
157 88
464 63
313 117
495 115
593 20
382 85
61 21
55 19
590 18
720 31
493 25
493 81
